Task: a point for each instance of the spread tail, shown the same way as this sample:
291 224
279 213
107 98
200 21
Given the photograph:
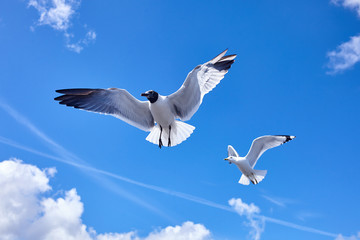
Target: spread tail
244 180
180 131
256 177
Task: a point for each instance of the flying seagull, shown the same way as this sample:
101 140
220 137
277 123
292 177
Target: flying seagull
162 110
246 164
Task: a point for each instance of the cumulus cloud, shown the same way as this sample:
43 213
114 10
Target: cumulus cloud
251 212
188 230
345 56
58 14
118 236
26 214
352 4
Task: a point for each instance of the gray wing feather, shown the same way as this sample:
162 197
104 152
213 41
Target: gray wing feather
113 101
201 80
261 144
232 152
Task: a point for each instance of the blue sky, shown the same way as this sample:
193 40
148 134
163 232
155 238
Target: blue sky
296 72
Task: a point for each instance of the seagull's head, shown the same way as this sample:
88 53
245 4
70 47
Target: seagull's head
230 159
151 95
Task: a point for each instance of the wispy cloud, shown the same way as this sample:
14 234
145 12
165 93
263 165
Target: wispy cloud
80 44
352 4
303 215
276 201
21 119
251 212
58 15
345 56
299 227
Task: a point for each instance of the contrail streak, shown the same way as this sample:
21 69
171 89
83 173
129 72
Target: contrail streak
109 185
37 132
185 196
299 227
66 156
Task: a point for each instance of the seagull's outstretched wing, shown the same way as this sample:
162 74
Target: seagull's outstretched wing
113 101
261 144
201 80
232 152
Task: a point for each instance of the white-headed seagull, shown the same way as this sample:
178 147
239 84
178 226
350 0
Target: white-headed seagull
246 164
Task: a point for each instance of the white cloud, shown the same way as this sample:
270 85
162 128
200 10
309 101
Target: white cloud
352 4
251 212
58 14
345 56
118 236
79 45
20 185
353 237
27 215
55 13
187 231
303 215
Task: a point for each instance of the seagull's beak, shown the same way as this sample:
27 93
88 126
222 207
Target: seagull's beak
144 94
226 159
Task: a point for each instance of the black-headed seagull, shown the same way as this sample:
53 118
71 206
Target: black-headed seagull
162 110
246 164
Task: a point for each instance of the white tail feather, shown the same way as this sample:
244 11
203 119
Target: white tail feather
244 180
180 131
257 176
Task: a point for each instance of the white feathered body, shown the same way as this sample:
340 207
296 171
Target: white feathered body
161 112
249 174
164 117
243 165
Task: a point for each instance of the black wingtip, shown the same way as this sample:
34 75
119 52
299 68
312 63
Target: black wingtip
288 137
60 90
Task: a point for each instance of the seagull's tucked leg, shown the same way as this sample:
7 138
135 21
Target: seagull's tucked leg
253 179
160 142
257 176
169 141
